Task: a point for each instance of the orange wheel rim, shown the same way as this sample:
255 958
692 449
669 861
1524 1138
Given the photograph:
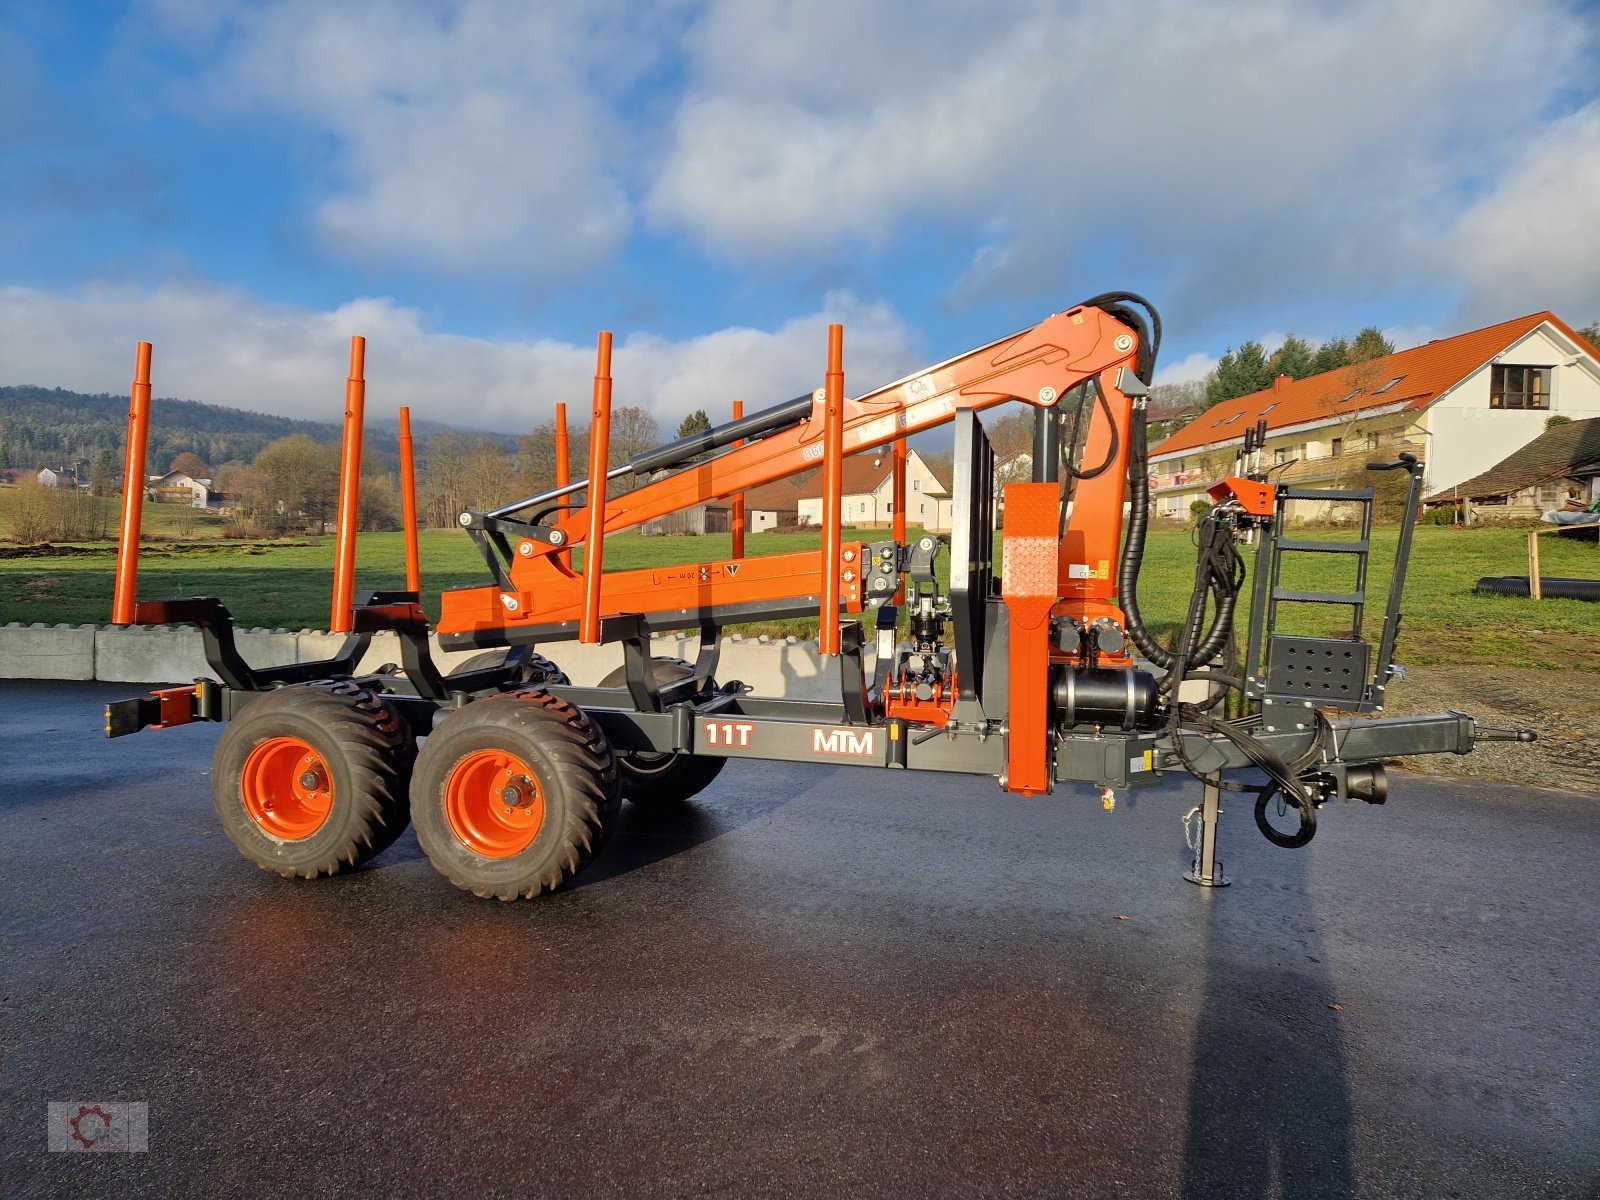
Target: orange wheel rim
287 788
493 803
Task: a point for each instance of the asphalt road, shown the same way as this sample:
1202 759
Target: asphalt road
819 981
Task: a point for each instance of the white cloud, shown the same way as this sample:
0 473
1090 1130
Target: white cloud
1238 151
1534 241
223 346
1186 369
465 136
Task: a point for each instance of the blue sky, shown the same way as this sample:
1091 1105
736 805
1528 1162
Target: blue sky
478 186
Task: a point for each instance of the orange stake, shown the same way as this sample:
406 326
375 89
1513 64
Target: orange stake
832 489
900 506
344 562
408 503
736 501
563 464
599 445
127 586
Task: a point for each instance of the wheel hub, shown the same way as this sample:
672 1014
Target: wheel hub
493 803
285 788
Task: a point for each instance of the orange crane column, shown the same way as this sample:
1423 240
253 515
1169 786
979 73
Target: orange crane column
736 504
408 503
563 465
344 564
832 489
125 596
1028 583
599 447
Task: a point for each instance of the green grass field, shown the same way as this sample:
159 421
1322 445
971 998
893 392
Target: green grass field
288 585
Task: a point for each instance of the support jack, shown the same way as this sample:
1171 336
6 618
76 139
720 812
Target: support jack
1206 871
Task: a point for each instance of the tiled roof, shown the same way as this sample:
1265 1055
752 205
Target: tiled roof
1413 378
1554 454
863 473
781 495
869 470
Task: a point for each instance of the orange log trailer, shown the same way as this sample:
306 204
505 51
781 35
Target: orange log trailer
1043 675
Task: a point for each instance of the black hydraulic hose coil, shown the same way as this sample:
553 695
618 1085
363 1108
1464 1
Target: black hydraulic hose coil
1133 546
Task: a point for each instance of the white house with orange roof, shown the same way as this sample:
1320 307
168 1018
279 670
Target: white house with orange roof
868 493
1460 404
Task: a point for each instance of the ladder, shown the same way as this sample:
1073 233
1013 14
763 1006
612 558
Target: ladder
1326 672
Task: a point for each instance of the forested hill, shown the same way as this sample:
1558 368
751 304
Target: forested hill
52 427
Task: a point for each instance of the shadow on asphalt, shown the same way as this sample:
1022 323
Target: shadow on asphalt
1269 1083
646 835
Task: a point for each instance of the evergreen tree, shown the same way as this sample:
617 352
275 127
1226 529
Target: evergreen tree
1239 373
1330 356
1591 333
5 457
1369 344
695 422
1294 358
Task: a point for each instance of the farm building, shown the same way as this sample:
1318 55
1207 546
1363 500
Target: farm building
772 506
1559 466
175 487
869 493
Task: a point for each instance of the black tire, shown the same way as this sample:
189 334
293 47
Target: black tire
536 668
359 752
659 780
562 771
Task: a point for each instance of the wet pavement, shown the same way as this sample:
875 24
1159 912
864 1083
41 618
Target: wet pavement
817 981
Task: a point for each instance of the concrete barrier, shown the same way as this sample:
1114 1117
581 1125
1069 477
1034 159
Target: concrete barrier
47 651
174 654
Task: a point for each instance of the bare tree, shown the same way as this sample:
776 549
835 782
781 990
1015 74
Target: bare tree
294 486
633 431
462 471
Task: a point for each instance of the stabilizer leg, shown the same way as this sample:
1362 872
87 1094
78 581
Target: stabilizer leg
1206 871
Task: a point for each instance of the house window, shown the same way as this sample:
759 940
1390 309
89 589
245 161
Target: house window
1372 441
1338 447
1280 456
1519 387
916 485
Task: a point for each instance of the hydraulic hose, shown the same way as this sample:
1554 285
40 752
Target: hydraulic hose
1111 451
1222 576
1133 546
